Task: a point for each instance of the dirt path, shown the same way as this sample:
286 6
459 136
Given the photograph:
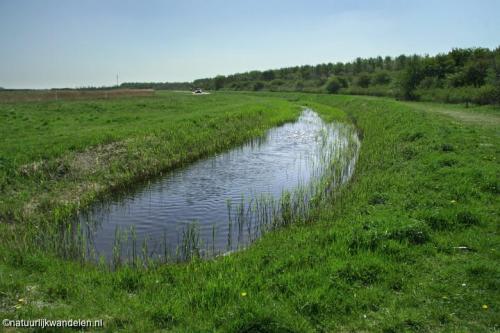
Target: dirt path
472 116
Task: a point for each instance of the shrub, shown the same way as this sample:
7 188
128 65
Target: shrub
299 86
268 75
487 94
219 82
333 85
363 80
409 80
381 77
276 84
258 86
430 82
343 81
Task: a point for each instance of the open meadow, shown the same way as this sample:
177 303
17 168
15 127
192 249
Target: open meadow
69 94
410 243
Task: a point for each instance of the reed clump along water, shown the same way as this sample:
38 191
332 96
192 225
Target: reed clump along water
408 244
249 219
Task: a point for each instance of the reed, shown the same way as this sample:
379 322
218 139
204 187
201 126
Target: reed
258 214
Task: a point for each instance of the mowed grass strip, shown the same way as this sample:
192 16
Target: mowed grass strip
411 244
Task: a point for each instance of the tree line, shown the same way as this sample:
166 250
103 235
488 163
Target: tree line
461 75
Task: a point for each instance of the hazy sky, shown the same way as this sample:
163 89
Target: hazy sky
69 43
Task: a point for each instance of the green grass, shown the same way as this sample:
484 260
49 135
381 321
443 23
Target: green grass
59 156
411 244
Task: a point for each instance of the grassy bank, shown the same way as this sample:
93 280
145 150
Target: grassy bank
411 244
58 156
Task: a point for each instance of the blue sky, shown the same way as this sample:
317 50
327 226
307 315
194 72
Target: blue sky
66 43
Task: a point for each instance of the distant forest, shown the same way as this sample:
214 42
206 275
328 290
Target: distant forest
459 76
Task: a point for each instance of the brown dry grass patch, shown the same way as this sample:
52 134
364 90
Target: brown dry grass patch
70 95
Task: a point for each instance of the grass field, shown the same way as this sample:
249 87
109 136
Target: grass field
58 156
411 244
10 96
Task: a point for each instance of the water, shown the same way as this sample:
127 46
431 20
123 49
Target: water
216 194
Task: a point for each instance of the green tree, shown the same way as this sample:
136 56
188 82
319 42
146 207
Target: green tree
475 73
460 56
493 73
219 82
364 80
409 80
258 86
276 83
343 81
388 63
357 65
268 75
400 62
381 77
333 85
299 85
